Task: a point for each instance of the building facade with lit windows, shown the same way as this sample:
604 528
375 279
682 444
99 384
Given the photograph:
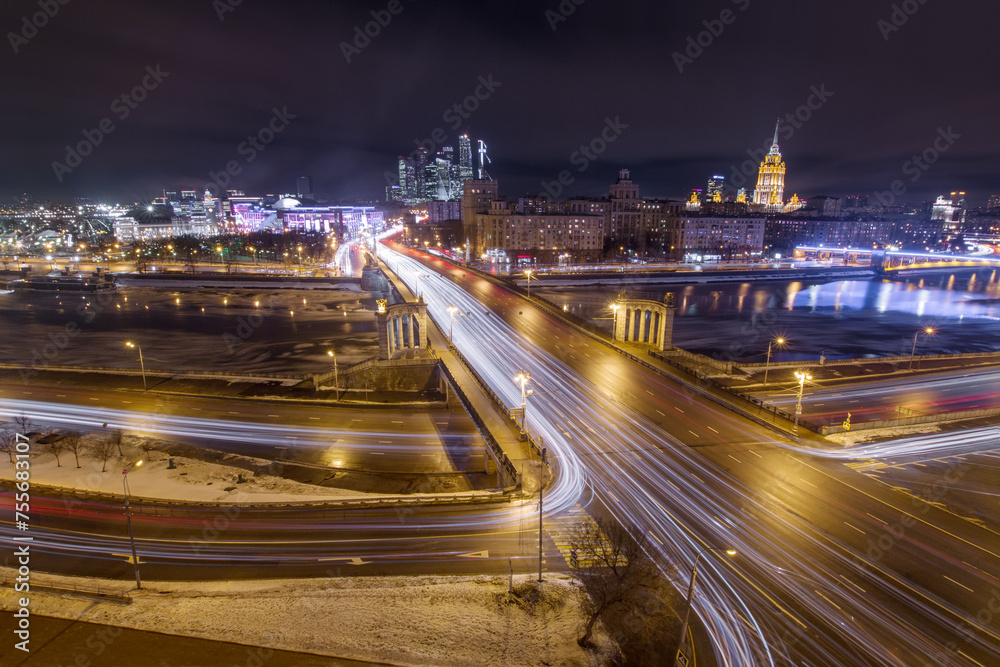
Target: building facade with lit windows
505 232
705 238
770 191
344 221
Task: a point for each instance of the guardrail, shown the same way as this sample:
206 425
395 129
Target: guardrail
90 591
155 506
911 421
158 373
873 360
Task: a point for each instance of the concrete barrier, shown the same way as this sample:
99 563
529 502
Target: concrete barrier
912 421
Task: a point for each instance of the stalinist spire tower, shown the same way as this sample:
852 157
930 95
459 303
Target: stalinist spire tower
770 190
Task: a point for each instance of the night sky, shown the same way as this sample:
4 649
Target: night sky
891 92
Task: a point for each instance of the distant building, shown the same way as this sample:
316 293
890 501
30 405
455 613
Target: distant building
827 207
443 234
770 191
949 212
343 221
439 211
708 238
994 202
303 187
159 221
716 184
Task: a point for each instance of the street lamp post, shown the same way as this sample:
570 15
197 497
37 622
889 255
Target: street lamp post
527 273
690 593
614 320
928 331
541 485
802 377
141 364
128 520
767 366
336 379
523 378
451 324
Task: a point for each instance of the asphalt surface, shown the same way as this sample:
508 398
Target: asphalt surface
811 584
409 440
55 642
891 398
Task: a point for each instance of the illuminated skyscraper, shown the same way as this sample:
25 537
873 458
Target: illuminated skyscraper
713 193
770 190
465 168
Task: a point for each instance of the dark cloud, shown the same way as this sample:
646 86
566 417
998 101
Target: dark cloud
605 60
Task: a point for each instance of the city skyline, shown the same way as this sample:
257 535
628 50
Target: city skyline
201 99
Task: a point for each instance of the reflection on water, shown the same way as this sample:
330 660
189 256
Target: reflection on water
846 318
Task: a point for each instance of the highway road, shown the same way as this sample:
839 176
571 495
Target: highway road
411 440
834 568
878 399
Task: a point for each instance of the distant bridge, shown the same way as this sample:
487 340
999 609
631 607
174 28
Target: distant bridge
891 261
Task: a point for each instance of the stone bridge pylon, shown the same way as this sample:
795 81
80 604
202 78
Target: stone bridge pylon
644 322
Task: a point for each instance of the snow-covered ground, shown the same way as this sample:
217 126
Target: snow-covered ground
439 621
191 479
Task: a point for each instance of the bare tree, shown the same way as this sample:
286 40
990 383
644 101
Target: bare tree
8 441
55 446
614 569
23 424
146 446
104 449
73 442
117 436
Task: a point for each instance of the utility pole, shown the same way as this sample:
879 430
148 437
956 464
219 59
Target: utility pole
541 484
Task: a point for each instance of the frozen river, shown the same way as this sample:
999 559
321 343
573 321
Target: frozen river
843 318
188 328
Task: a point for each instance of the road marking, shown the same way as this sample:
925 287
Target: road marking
693 433
354 561
61 395
233 413
734 458
438 423
355 420
95 399
755 453
272 415
26 392
316 418
877 519
855 528
377 453
126 401
711 429
476 554
385 442
650 393
198 409
678 409
853 584
651 534
430 454
809 483
662 414
396 422
958 584
698 478
963 653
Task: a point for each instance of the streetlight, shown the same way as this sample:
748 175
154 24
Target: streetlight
451 325
614 320
929 331
541 485
527 273
141 364
694 575
802 377
523 378
767 366
336 380
128 519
